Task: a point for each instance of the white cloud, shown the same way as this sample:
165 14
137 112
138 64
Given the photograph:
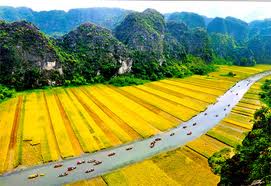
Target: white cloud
243 10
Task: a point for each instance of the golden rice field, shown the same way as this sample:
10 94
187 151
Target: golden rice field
189 165
48 125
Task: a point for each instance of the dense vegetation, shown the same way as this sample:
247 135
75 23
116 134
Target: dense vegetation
192 20
266 93
26 55
144 45
251 163
5 92
125 80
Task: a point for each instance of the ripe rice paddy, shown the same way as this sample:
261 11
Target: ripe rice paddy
189 165
48 125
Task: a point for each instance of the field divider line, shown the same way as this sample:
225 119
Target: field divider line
147 105
229 122
242 113
168 100
190 148
75 143
19 146
231 145
180 102
189 89
14 132
123 110
122 124
99 122
175 93
200 84
15 123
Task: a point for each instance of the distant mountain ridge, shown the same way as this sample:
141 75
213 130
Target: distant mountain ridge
144 45
60 22
55 22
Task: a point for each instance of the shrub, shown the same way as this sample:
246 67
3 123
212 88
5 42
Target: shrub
126 80
229 74
198 66
5 92
78 80
176 70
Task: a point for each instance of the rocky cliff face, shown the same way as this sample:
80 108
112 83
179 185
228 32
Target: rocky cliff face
27 57
260 27
231 26
261 48
188 41
174 46
97 50
192 20
143 32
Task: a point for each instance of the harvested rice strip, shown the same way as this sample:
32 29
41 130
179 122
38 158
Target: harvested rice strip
16 122
115 178
19 145
127 175
193 94
98 181
251 101
234 127
181 164
262 67
232 132
139 124
38 121
31 131
244 110
252 96
240 118
206 145
60 132
186 99
78 125
45 148
175 121
11 156
253 91
204 82
195 88
220 136
174 99
75 143
246 70
42 134
242 113
6 117
243 125
156 120
90 123
179 112
52 141
31 154
106 139
248 106
112 121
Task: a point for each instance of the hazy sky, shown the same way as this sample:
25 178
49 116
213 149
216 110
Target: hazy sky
245 10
